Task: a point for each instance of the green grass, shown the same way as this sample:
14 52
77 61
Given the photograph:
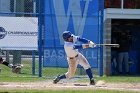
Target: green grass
26 75
27 70
6 75
21 79
46 71
116 79
130 79
64 91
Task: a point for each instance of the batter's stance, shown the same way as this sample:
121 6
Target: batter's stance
74 57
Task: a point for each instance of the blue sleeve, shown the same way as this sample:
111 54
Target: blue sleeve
76 46
82 40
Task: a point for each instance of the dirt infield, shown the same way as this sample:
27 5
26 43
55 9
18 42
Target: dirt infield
48 85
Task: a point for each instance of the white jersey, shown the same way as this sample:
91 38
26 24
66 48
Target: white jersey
73 59
69 47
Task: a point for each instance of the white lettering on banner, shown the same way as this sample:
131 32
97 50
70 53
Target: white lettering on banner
60 54
54 54
46 53
74 10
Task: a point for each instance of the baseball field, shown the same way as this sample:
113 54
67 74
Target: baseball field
27 83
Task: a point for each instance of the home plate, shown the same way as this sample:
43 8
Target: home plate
100 83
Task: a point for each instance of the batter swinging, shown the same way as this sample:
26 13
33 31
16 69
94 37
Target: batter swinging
74 57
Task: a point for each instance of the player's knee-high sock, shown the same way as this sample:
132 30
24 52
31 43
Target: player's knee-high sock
62 76
89 73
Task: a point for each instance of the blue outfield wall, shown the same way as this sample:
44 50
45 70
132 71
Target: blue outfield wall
81 17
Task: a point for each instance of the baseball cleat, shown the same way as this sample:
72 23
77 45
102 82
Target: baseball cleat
92 82
56 80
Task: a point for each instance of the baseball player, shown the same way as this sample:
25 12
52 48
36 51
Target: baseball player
5 63
74 57
15 68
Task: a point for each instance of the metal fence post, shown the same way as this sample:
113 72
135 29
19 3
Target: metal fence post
33 52
40 39
101 38
33 62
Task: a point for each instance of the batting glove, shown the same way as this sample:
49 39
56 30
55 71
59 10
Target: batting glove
91 44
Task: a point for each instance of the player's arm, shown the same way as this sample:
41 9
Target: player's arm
83 40
82 46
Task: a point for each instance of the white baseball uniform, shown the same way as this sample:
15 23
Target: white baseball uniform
74 57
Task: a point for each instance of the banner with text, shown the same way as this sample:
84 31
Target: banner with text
18 33
81 17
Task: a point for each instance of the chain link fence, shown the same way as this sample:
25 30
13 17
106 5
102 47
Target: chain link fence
19 37
19 40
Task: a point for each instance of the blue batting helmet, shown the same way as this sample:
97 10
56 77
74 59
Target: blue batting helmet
66 35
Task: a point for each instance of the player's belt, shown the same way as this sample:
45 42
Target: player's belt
73 57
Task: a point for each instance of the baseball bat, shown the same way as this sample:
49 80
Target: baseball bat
110 45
